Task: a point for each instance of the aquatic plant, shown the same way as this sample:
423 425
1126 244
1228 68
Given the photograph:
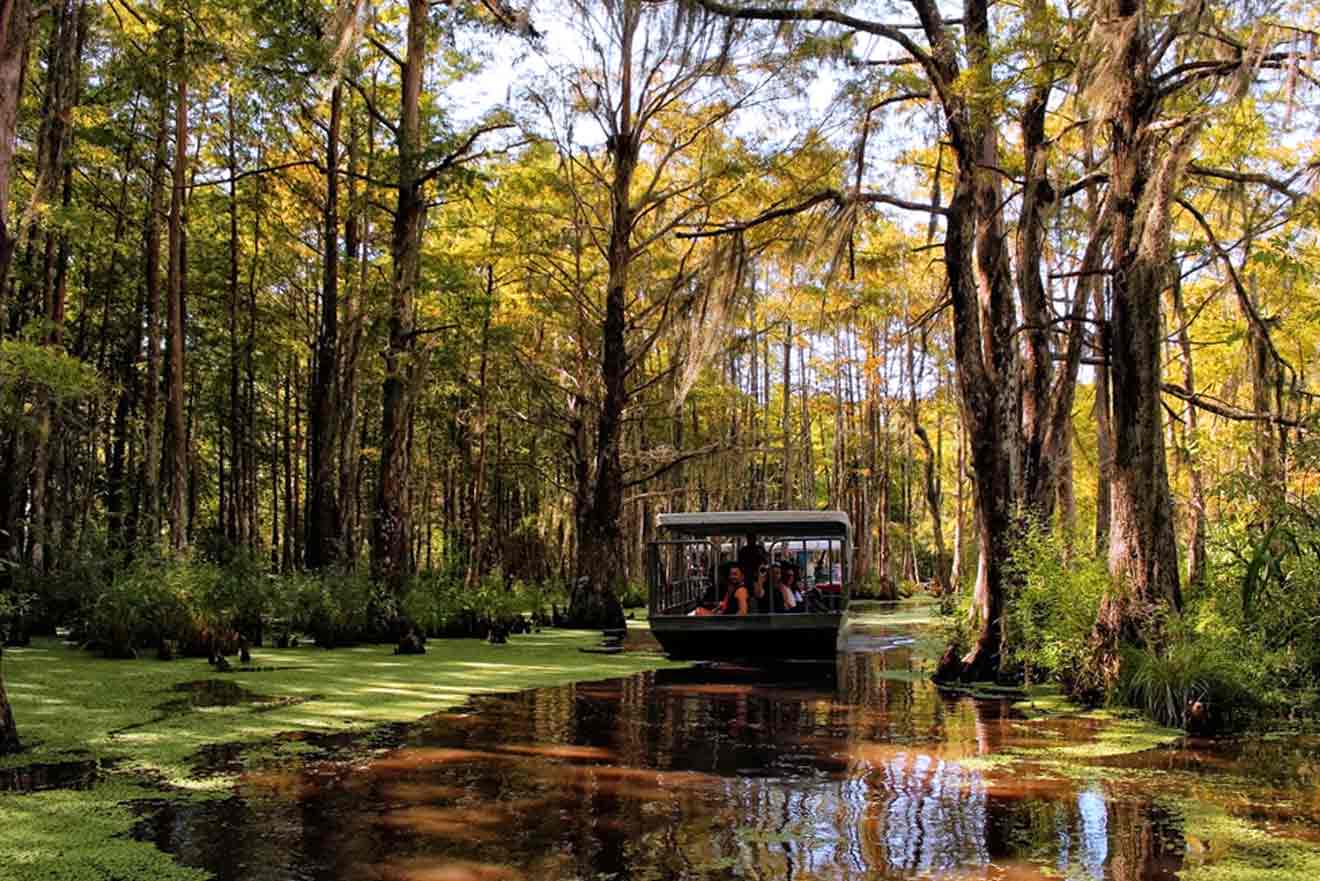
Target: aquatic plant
1187 680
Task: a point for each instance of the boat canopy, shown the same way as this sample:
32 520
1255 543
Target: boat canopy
758 523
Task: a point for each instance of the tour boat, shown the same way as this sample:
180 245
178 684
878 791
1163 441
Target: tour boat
683 571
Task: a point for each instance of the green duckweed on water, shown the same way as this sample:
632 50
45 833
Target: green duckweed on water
72 835
1221 847
138 715
70 703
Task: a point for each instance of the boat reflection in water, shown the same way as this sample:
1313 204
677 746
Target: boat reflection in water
688 774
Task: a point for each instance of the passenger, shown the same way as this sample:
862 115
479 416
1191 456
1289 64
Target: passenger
737 599
753 560
786 596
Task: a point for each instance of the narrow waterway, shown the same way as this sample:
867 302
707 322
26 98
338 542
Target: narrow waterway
729 773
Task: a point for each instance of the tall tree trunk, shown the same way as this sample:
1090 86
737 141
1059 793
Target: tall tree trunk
808 482
233 520
976 265
15 16
1196 529
126 366
355 243
932 488
290 494
250 458
357 234
1104 439
1143 553
54 138
149 527
391 560
175 400
323 539
594 599
476 549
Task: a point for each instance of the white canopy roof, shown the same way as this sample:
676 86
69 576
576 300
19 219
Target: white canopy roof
805 524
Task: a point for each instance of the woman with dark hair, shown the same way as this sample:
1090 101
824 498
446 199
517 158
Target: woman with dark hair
754 562
785 594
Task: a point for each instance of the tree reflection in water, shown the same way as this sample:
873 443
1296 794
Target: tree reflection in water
686 775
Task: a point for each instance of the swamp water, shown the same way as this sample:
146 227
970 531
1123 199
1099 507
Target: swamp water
729 773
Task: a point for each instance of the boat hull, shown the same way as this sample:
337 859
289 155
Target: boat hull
749 638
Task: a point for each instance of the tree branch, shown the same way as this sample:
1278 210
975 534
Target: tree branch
834 197
674 463
1202 401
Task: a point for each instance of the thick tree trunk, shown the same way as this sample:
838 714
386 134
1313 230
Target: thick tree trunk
391 559
600 578
1039 474
323 538
1143 553
976 264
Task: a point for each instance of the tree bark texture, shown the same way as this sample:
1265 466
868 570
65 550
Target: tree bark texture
1143 554
175 401
594 598
323 520
14 30
391 560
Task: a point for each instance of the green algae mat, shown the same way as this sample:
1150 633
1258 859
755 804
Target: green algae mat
142 724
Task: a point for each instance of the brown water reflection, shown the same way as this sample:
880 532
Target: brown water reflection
690 774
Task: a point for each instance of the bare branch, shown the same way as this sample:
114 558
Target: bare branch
1211 404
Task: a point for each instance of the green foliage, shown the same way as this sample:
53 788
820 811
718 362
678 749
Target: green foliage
193 603
1051 607
28 368
1262 597
340 608
13 606
440 604
151 601
634 595
1163 680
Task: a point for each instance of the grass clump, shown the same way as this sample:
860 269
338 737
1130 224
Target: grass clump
1187 681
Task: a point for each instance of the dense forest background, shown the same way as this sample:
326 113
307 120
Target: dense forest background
410 301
